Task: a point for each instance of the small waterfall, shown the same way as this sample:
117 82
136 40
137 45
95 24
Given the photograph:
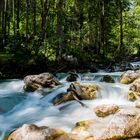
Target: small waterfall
135 65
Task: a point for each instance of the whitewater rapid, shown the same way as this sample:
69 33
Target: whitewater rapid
18 107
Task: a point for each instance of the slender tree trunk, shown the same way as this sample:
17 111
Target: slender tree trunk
45 8
9 15
34 16
1 42
18 13
99 26
14 29
1 4
90 25
43 15
103 27
59 30
27 18
121 27
4 17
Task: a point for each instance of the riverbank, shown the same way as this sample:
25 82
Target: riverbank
10 69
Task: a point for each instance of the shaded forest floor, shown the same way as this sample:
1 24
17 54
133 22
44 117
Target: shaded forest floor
11 67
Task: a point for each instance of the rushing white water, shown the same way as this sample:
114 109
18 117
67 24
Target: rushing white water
135 65
17 107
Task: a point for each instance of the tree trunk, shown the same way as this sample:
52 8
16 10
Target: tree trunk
18 19
34 16
9 15
27 18
121 26
14 28
59 30
43 14
4 18
99 26
103 27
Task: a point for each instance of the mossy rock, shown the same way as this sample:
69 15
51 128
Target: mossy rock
129 76
132 96
34 132
72 77
82 123
108 79
6 138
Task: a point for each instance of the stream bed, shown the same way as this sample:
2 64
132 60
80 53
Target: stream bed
18 107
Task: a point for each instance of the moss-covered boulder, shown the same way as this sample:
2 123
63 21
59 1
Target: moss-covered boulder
78 91
137 104
135 86
108 79
85 91
68 136
132 96
6 138
43 80
105 110
72 77
62 98
129 76
85 129
33 132
124 125
83 125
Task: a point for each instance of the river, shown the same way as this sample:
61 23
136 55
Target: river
18 107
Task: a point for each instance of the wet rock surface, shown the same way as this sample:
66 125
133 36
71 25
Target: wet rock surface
132 96
108 79
137 104
125 124
78 91
72 77
135 86
110 114
105 110
33 132
129 76
36 82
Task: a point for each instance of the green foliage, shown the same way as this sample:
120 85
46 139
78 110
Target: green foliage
87 29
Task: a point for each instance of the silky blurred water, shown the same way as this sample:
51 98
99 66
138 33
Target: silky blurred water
18 107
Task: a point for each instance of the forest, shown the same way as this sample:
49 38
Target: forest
46 35
69 69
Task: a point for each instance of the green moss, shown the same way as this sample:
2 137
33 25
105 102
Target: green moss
108 79
131 96
82 123
6 138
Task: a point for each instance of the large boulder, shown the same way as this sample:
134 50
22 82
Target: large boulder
135 86
80 91
132 96
129 76
62 98
105 110
72 77
33 132
35 82
137 104
84 128
124 125
108 79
